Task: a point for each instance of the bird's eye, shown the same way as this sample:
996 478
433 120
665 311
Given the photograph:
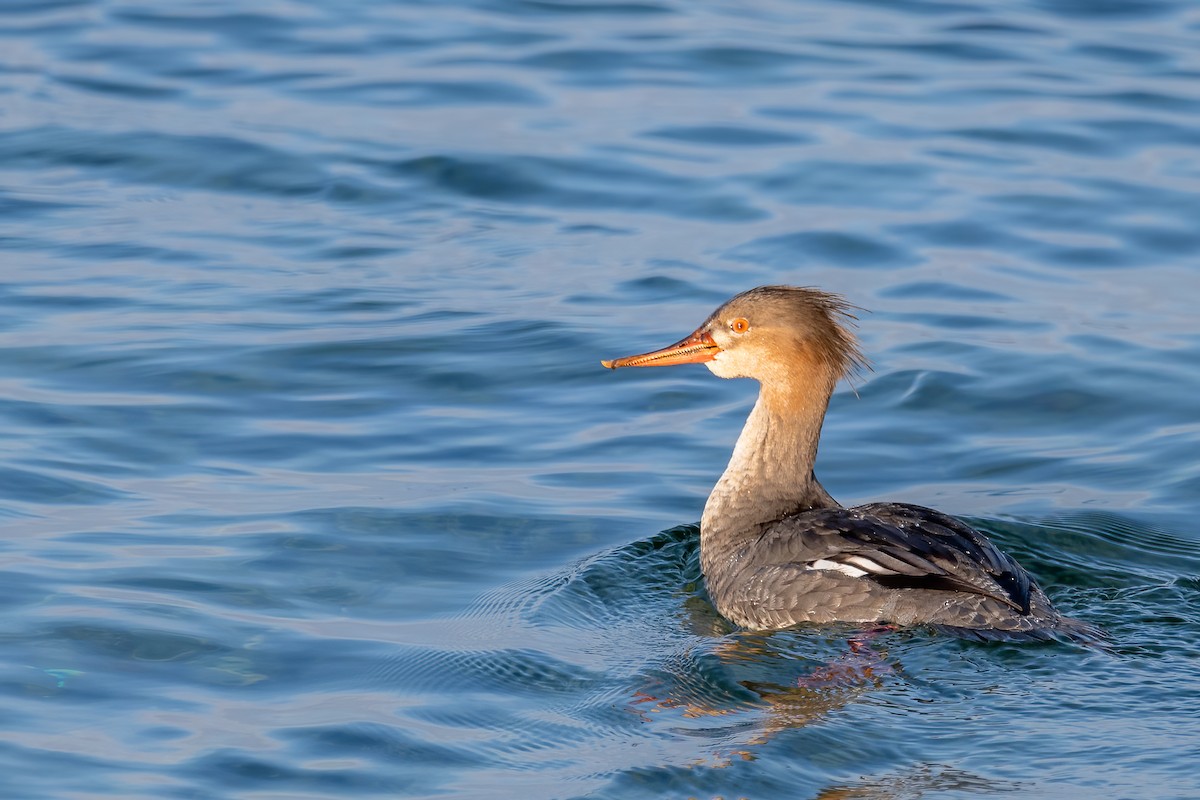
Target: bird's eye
740 325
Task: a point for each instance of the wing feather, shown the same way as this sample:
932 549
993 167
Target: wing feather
901 546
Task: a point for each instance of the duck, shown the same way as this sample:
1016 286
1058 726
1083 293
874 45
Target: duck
778 551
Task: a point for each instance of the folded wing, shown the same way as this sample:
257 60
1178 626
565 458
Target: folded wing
898 546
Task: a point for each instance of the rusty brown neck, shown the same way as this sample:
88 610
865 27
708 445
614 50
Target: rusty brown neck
770 474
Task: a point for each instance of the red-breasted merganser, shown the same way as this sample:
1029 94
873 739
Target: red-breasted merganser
777 550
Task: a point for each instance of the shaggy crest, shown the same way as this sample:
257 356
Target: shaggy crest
825 320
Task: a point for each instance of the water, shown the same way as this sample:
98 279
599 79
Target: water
313 486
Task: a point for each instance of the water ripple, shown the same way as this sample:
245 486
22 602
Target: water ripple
313 485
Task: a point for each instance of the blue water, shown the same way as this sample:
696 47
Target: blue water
312 485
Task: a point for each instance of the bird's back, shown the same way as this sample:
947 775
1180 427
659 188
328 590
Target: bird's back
886 563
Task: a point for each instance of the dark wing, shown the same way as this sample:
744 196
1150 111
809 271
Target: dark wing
899 546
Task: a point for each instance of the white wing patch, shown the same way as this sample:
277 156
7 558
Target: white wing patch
846 569
855 566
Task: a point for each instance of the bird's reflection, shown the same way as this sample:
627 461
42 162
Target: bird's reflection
848 668
916 782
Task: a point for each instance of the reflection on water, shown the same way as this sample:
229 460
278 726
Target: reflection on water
312 485
921 780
